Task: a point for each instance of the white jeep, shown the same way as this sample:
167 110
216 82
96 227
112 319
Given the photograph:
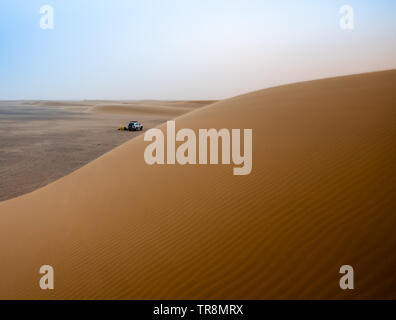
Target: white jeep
135 126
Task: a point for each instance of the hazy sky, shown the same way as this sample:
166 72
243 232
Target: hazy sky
185 49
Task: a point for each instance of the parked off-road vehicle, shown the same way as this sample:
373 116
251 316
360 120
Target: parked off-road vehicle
135 126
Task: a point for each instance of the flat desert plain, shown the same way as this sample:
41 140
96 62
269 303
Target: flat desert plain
320 195
42 141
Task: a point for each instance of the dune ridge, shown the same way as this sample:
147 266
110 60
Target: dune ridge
321 195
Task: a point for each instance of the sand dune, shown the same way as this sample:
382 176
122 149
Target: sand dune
321 195
140 109
158 108
50 103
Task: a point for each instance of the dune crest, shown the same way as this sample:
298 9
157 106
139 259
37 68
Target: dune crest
321 195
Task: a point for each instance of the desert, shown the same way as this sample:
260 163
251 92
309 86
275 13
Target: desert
320 196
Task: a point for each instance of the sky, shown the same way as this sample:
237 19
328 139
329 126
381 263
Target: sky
185 49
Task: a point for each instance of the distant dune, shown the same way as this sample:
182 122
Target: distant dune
164 108
321 195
